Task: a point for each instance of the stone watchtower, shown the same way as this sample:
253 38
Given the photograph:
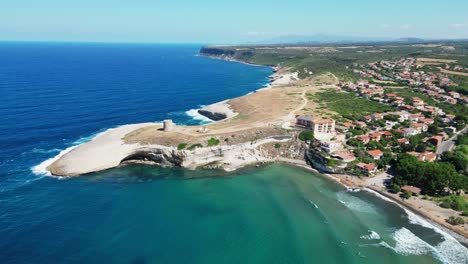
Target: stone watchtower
168 125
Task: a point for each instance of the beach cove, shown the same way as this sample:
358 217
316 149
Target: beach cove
293 207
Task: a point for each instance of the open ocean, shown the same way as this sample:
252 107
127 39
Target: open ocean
58 95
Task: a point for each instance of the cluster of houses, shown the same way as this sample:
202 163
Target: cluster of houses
332 136
411 116
408 71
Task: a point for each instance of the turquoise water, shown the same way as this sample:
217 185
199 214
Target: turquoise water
273 214
57 95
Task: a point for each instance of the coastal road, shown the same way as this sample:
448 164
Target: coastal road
448 145
291 116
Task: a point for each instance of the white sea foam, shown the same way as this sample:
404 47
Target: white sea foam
448 251
193 113
41 169
312 203
372 235
408 243
45 151
355 203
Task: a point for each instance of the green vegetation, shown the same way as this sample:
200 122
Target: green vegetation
306 135
277 145
462 84
406 194
407 93
332 163
395 188
459 156
433 178
181 146
213 142
338 58
194 146
348 104
455 220
456 202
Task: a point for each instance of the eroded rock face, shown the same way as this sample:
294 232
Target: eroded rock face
215 116
227 157
105 152
163 157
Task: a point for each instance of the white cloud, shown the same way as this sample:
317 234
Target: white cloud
406 26
457 25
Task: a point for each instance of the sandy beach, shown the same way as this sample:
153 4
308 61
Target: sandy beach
267 113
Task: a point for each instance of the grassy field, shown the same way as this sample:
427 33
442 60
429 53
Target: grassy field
348 103
337 58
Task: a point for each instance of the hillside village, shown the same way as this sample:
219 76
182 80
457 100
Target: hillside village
416 120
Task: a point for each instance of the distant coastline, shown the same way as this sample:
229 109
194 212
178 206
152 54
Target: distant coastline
200 157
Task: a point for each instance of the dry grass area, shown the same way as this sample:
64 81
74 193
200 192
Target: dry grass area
383 82
453 72
153 135
260 114
319 83
430 61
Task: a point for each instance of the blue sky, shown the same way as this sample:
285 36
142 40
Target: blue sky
209 21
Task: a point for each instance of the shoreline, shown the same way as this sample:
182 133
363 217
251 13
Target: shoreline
446 228
294 162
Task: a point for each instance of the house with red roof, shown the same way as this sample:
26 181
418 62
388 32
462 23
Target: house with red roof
436 140
344 156
363 139
368 169
375 154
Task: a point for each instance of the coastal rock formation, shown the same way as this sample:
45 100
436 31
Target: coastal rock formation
217 111
108 150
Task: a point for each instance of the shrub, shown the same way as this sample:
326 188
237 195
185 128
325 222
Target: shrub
277 145
395 188
455 220
181 146
455 202
332 163
406 194
306 135
194 146
213 142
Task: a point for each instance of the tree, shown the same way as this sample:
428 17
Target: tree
213 142
306 136
406 194
421 147
181 146
457 158
395 188
392 117
433 129
433 178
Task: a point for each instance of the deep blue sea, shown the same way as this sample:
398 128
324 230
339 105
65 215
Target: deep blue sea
57 95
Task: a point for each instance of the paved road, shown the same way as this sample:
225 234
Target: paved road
448 145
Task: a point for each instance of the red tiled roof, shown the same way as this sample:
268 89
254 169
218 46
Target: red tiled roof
375 153
366 166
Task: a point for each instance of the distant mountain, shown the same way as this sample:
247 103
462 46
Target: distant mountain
319 38
411 40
